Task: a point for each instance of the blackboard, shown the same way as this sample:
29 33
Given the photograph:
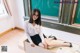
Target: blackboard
77 16
47 7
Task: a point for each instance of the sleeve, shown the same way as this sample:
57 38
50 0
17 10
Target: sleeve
41 34
28 36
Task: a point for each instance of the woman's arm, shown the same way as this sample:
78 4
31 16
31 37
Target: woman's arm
42 38
28 35
41 34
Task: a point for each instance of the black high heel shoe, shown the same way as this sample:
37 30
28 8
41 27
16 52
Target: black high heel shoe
70 44
53 37
44 36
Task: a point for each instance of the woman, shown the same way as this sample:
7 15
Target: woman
35 35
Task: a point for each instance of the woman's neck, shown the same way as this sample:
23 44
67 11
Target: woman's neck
33 23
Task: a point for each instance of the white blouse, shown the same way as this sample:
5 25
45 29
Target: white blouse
33 30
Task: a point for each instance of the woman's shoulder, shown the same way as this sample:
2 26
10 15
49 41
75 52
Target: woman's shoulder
27 22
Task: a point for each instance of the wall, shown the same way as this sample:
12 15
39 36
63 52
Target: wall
20 19
17 11
6 22
16 20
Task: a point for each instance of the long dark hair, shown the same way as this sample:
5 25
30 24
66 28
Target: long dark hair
38 21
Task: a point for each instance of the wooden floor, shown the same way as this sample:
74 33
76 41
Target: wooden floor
11 41
10 35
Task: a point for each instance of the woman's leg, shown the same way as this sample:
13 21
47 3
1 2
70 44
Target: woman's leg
56 43
41 45
44 45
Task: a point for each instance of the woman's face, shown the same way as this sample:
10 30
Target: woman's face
35 16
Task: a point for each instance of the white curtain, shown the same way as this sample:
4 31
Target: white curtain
7 7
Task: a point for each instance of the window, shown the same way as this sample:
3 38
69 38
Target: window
2 8
49 12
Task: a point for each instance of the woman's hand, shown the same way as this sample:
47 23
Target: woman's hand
33 45
45 45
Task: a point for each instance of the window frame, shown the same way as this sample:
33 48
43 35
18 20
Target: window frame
4 9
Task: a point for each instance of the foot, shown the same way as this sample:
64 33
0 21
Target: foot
53 37
27 40
69 43
44 36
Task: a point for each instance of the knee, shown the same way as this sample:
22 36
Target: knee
41 45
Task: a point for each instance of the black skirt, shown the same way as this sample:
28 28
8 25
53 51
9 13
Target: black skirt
36 39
